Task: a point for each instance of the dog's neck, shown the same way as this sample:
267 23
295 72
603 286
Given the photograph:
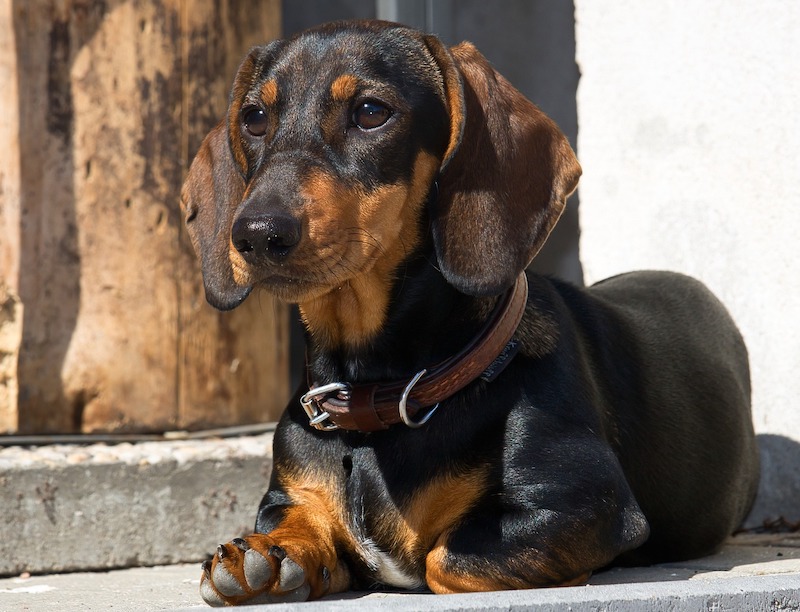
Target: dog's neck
423 320
353 313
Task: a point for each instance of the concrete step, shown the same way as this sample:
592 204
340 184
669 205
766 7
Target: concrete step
73 508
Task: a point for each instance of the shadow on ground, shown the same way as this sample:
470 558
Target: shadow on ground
779 491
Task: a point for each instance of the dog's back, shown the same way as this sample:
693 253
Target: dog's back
672 363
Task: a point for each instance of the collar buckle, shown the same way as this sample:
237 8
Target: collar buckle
317 417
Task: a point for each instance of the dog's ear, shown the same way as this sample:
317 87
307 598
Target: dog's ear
505 175
210 194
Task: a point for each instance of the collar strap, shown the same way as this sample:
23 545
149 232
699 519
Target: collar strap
376 406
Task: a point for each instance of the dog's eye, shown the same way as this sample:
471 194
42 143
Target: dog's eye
370 115
255 121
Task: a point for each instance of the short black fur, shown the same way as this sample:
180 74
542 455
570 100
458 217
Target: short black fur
619 433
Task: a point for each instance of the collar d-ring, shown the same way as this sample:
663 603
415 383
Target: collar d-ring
401 406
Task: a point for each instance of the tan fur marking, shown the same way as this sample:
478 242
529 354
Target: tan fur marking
241 273
523 572
372 232
269 92
437 508
344 88
312 529
310 540
441 581
453 92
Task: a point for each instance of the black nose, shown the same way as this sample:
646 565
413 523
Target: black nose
273 236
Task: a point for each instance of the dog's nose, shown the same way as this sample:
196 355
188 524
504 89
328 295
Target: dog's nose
273 236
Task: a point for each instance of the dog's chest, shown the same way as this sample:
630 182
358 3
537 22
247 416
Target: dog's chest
395 513
379 528
386 567
384 545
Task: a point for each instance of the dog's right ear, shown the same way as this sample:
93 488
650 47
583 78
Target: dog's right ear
209 197
504 179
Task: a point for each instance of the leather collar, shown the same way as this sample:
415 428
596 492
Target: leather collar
377 406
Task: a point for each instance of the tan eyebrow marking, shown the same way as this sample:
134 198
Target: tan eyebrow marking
269 92
344 87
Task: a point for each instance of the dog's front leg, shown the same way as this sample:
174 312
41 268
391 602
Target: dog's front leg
553 532
475 557
295 561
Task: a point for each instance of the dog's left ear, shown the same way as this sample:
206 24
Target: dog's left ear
505 176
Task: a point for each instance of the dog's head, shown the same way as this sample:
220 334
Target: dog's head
334 142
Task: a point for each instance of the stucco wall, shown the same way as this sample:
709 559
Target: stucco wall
689 136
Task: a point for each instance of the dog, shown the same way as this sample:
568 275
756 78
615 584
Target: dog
465 425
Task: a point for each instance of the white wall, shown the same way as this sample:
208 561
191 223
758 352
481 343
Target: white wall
689 137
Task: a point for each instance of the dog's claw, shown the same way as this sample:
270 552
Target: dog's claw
278 552
206 566
240 544
221 552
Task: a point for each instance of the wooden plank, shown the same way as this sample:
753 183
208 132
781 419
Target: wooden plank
232 366
49 277
10 305
113 334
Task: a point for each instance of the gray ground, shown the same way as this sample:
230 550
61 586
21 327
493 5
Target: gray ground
751 573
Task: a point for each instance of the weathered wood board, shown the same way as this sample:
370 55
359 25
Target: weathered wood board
103 323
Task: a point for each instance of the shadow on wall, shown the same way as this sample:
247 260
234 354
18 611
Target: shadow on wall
779 490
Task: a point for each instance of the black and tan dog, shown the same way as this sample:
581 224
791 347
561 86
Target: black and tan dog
466 426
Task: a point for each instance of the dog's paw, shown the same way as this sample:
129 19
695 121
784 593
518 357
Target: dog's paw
253 570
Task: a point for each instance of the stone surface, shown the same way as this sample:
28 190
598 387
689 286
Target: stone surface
68 508
73 507
746 584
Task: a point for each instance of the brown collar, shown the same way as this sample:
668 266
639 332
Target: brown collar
376 406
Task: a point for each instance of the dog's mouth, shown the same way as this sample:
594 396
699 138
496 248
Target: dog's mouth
291 288
299 279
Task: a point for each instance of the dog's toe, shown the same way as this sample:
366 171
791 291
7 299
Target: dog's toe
226 583
257 570
207 590
292 575
297 595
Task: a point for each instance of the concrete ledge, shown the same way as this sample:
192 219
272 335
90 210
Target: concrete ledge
72 507
752 573
751 593
76 508
764 593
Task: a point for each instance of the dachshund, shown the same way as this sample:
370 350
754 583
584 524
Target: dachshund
464 425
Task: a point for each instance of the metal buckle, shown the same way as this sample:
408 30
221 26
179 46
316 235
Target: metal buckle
317 418
404 399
